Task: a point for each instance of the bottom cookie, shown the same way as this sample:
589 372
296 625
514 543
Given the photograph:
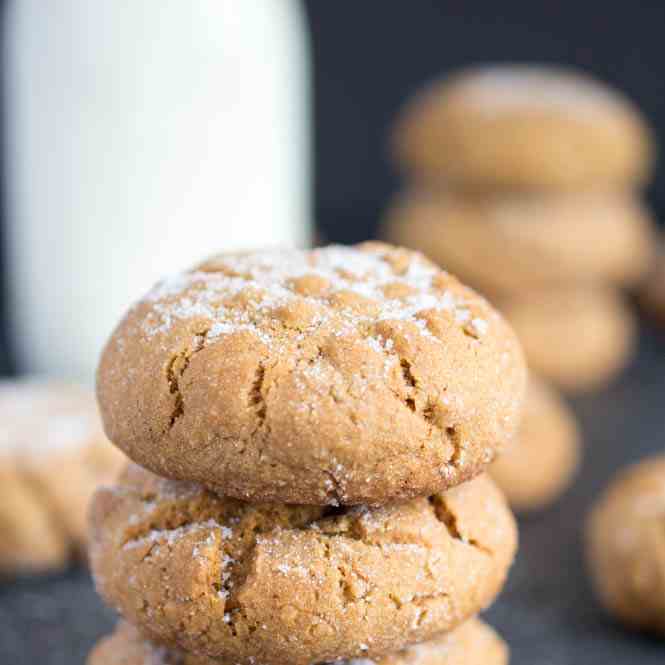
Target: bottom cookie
294 585
473 643
577 338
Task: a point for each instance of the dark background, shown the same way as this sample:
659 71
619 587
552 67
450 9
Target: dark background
370 55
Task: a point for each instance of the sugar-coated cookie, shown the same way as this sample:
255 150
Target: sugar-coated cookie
541 462
288 584
626 545
524 127
579 339
341 375
503 245
473 643
53 454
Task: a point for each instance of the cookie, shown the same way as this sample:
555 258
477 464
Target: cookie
579 339
504 245
342 375
524 127
53 454
626 546
288 584
540 464
473 643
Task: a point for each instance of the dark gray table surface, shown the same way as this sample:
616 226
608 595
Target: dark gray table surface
547 612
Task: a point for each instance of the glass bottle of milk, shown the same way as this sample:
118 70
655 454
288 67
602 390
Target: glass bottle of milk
141 137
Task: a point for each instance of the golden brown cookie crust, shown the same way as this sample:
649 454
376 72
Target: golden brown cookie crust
579 339
504 245
626 545
541 463
341 375
473 643
524 127
53 454
296 584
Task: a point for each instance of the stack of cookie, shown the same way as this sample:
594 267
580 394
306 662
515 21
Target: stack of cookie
311 429
526 181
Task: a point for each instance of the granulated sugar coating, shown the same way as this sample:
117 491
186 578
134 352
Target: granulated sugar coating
340 375
292 585
473 643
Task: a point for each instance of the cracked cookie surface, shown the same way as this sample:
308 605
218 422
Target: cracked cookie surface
524 127
53 454
626 545
473 643
343 375
289 584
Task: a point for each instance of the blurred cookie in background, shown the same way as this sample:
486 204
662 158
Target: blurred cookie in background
542 461
508 245
523 127
577 338
626 546
53 454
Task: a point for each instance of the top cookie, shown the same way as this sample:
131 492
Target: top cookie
340 375
520 126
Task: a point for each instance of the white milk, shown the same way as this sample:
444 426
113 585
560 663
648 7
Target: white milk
141 137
